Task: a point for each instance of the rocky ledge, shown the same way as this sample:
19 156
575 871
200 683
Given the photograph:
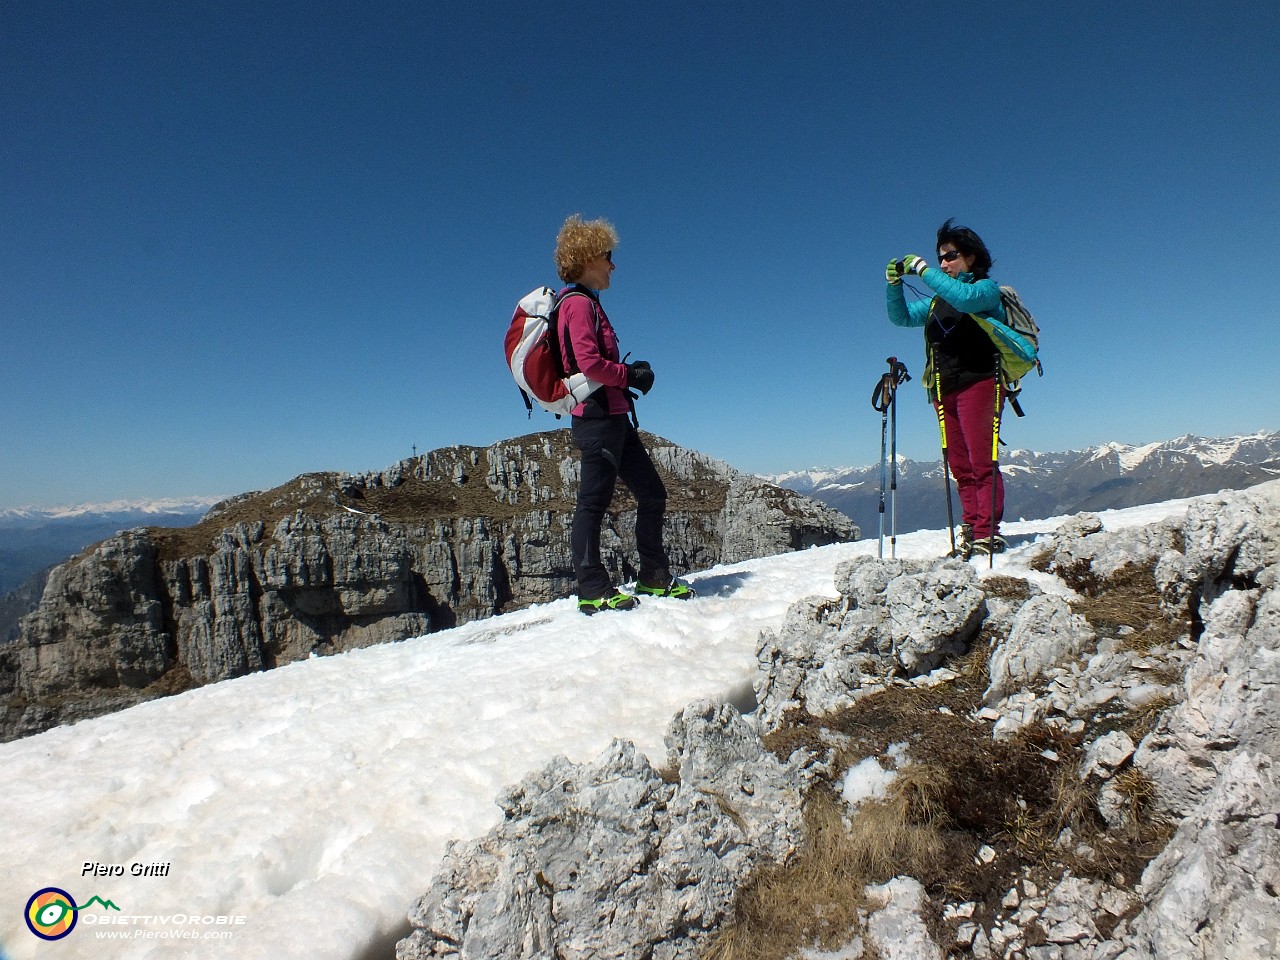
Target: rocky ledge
1078 764
331 562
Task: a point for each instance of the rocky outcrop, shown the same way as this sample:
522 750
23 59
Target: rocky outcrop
18 603
333 562
1079 767
609 860
892 616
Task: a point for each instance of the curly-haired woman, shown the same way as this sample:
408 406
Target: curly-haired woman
962 368
602 428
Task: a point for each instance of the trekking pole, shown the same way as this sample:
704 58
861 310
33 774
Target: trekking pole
884 398
995 468
946 466
898 375
880 402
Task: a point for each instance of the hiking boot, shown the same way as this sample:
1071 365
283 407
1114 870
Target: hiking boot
665 587
619 601
989 545
964 542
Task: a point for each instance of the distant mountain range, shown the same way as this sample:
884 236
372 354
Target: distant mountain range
1038 485
35 538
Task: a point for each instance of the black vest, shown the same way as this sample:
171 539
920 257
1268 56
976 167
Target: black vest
962 352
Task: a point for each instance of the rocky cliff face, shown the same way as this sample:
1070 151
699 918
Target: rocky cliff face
333 562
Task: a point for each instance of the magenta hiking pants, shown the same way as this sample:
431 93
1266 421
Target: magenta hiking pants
970 415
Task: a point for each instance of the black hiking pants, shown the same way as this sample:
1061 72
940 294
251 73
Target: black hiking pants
611 449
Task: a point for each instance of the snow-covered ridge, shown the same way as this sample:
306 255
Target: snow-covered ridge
143 508
815 476
1216 451
1207 450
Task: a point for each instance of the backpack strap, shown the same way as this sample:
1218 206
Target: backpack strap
572 366
575 290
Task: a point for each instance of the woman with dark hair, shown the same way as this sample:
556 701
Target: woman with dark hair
961 372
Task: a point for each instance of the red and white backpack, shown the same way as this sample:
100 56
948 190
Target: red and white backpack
533 354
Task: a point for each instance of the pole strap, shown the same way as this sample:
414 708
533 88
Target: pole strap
886 390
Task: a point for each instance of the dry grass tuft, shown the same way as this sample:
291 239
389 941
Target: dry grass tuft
813 899
974 666
795 734
1043 562
1078 576
1072 805
1138 790
1121 854
1006 587
1140 722
960 790
816 899
668 773
1130 599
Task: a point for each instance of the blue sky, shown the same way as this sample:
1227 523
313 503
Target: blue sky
244 241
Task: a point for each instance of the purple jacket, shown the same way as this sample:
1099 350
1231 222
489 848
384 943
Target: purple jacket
594 350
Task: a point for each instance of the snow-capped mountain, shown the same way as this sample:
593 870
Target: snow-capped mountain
1109 476
33 538
115 511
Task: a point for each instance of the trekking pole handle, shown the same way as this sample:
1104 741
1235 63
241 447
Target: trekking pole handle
882 395
898 370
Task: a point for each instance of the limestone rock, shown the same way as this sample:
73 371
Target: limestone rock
109 639
893 616
1086 560
1231 690
761 520
1232 540
896 926
1045 633
1214 887
606 860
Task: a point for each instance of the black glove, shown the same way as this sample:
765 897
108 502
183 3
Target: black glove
640 376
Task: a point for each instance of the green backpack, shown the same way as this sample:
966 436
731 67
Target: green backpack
1017 340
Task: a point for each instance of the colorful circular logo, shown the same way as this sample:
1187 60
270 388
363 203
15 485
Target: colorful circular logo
51 913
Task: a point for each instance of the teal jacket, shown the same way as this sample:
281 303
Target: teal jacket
958 347
964 293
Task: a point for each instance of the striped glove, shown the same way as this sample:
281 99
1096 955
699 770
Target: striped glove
913 264
892 273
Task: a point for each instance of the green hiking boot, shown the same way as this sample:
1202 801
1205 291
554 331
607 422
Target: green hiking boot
665 587
619 601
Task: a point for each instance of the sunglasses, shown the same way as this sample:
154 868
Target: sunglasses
949 256
608 255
